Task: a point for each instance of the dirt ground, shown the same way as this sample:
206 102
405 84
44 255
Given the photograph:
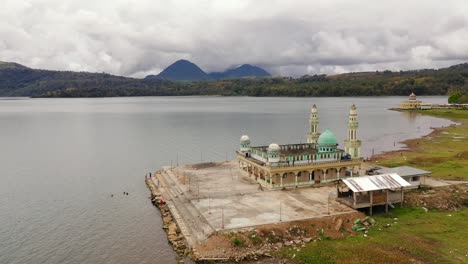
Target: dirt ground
453 197
254 242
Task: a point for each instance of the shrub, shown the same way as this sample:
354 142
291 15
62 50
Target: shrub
238 242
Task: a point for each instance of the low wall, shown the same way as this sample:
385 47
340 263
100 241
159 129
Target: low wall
174 235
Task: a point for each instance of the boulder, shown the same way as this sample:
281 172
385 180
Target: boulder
172 229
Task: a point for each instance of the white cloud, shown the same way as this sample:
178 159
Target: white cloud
135 38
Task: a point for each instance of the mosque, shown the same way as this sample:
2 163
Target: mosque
306 164
413 103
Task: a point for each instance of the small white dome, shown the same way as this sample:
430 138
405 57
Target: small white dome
273 146
244 138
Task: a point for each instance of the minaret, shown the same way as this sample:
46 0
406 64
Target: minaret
352 144
313 135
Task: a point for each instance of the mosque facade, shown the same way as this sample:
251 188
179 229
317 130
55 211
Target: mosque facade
316 162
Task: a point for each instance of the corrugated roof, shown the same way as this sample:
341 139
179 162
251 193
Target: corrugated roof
404 171
376 182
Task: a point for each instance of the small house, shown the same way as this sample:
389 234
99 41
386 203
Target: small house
367 191
412 175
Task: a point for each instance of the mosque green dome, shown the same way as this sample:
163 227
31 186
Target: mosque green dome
327 138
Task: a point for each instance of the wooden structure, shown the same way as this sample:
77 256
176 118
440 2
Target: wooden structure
367 191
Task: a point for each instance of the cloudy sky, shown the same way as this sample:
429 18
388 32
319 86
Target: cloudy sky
139 37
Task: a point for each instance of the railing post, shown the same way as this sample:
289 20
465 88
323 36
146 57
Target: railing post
386 202
354 200
401 203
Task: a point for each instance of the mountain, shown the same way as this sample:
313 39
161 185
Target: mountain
245 70
182 70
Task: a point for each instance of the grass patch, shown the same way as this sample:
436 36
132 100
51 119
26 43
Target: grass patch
445 154
238 242
432 237
254 238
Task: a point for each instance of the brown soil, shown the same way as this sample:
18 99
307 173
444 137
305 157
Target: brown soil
258 242
462 155
453 197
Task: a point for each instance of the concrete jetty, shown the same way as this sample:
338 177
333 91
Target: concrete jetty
200 200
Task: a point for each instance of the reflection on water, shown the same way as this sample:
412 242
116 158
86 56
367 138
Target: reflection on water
410 115
67 162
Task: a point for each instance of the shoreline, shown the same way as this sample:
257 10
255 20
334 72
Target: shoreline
174 234
412 143
430 150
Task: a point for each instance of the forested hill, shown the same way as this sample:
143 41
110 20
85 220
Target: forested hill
17 80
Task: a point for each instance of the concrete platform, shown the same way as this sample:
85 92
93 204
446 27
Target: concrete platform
215 196
252 209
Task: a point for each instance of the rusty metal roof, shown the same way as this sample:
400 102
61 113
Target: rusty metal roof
376 182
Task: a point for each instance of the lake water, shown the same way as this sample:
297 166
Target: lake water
61 159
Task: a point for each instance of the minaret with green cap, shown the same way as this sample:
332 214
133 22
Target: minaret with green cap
313 135
352 144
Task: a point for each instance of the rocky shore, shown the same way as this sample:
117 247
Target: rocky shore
174 235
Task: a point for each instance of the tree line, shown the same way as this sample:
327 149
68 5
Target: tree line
42 83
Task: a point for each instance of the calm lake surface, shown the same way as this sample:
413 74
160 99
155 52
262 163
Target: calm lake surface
61 159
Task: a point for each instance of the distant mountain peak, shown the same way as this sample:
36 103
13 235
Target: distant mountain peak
245 70
247 66
182 70
183 61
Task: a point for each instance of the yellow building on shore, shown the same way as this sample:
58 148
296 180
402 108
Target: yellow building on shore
413 103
